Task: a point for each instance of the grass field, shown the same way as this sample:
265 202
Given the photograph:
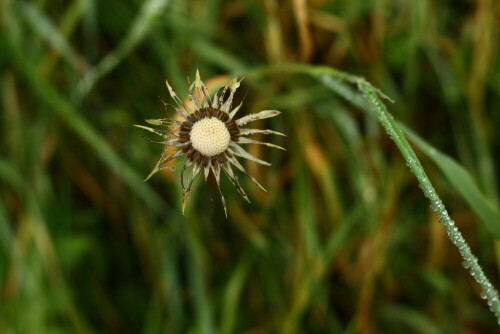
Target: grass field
348 237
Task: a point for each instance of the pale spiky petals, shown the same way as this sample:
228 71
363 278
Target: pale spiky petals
243 140
221 96
260 115
163 160
208 136
163 121
215 101
235 110
180 103
236 163
159 132
233 86
200 91
195 172
229 172
247 132
186 165
172 142
206 171
237 150
194 100
155 131
216 171
181 112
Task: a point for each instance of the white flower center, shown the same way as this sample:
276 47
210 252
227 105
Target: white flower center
210 136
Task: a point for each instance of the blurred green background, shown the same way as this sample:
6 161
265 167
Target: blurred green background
343 242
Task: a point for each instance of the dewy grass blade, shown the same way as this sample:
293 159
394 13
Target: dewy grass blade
462 181
376 107
470 261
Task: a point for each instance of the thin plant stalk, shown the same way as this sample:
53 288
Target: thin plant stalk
470 262
372 103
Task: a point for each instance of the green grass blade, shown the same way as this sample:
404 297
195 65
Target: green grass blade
6 233
203 321
147 17
232 296
217 56
84 130
411 319
373 97
43 26
470 261
462 181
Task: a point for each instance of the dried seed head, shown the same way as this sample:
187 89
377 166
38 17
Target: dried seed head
210 136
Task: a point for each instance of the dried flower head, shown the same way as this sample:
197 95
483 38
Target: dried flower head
209 136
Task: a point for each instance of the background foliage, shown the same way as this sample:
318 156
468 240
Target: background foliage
344 241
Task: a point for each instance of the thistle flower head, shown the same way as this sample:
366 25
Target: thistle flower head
209 136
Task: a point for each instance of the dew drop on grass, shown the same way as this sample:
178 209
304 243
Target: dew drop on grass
466 265
425 181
